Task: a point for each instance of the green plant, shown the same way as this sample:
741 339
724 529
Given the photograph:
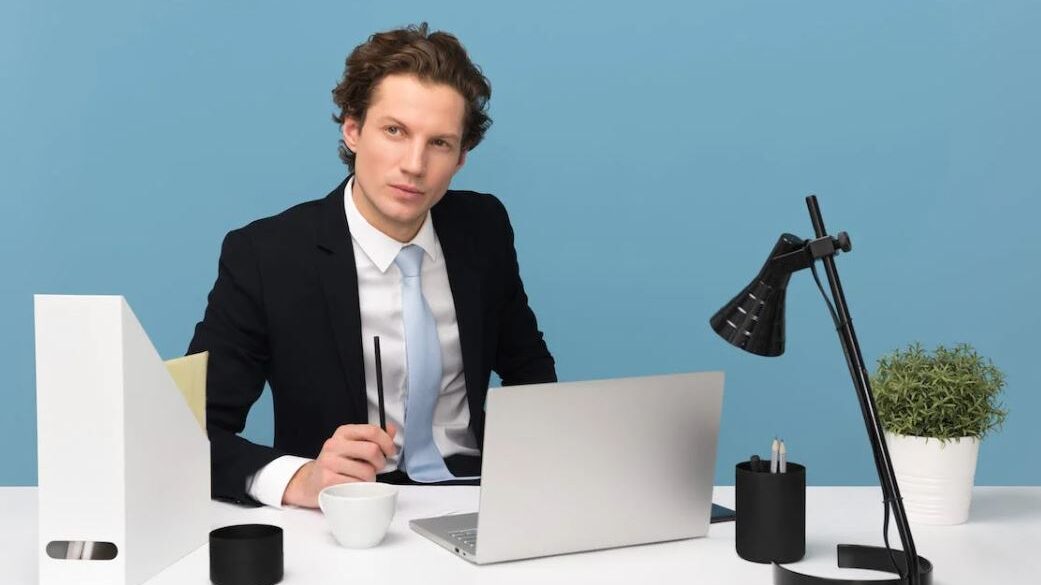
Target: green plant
945 394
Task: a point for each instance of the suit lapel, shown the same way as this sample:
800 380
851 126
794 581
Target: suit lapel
339 276
465 282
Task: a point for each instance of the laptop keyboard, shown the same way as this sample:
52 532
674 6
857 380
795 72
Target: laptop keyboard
467 538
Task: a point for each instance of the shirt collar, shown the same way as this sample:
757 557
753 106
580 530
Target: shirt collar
378 246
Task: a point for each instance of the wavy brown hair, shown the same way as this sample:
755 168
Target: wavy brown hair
436 57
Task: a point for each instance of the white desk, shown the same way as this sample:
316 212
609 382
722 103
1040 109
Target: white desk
999 544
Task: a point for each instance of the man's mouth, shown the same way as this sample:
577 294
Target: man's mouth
407 189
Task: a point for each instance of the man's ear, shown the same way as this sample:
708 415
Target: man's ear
351 130
462 158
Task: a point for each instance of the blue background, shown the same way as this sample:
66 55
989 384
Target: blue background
649 154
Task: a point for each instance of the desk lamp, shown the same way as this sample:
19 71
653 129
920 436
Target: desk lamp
754 322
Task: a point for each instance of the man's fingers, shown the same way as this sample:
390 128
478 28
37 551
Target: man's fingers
352 469
371 433
357 449
363 451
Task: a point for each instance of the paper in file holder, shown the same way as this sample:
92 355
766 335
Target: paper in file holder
124 461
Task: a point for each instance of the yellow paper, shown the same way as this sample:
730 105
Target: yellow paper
189 372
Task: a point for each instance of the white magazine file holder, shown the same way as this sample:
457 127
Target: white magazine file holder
123 459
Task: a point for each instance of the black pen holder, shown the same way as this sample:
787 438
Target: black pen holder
771 513
246 554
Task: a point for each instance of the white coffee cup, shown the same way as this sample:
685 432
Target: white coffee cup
359 513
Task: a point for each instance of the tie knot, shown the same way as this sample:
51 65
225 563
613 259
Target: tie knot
409 260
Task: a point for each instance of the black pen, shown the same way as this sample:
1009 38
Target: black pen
379 384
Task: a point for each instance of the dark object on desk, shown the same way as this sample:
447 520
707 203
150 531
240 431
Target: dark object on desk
771 519
246 554
852 556
754 321
722 514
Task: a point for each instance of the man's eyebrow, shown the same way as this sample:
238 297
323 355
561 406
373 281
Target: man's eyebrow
392 120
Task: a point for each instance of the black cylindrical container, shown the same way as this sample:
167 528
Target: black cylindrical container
246 554
771 513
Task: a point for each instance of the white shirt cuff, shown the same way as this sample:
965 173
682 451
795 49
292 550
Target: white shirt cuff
269 483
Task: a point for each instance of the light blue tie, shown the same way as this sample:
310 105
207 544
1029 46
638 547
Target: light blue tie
423 461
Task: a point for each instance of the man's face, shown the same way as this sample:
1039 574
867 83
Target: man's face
406 153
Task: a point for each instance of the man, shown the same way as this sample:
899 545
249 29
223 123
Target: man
390 252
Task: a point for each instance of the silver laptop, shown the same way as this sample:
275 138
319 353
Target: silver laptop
581 466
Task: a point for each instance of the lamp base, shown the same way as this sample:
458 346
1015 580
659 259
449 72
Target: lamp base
853 556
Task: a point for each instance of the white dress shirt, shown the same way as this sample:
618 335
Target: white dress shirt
379 296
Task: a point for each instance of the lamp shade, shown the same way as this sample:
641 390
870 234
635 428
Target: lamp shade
754 319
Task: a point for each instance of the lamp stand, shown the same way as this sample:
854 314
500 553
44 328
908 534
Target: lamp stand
916 570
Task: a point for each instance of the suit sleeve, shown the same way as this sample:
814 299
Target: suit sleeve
234 331
522 356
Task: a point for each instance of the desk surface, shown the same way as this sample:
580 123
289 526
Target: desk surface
997 545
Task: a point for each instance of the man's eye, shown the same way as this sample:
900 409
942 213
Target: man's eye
393 130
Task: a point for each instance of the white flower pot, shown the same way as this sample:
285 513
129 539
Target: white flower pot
935 476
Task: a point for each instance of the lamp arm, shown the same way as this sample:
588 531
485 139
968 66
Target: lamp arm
862 384
802 254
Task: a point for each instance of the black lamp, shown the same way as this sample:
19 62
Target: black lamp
754 322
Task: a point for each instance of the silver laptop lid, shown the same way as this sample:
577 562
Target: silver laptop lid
587 465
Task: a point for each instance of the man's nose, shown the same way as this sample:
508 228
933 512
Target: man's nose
414 158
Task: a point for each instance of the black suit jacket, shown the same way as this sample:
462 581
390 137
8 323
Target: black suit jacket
284 310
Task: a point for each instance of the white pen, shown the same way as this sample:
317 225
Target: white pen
774 449
784 458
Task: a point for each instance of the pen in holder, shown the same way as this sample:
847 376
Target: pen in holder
771 513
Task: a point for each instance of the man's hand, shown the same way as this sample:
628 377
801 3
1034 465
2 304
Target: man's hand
353 453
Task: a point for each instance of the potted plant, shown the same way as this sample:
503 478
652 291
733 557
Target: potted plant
935 408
